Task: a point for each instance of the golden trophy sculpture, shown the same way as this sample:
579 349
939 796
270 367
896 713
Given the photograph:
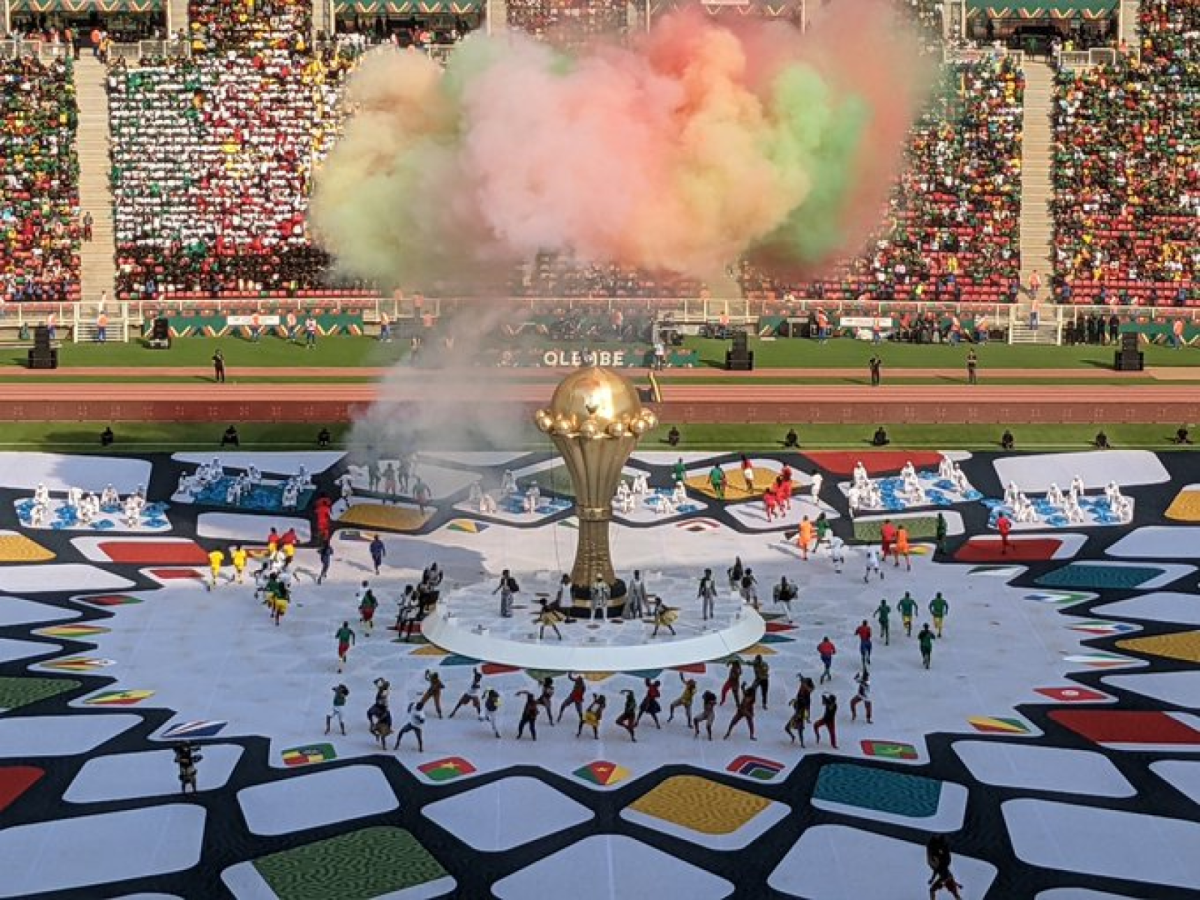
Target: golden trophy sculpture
595 419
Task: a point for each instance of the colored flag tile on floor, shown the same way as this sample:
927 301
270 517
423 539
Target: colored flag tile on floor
996 725
1186 505
118 698
983 570
888 749
602 773
112 600
755 767
757 650
309 754
1131 728
1072 694
15 781
992 550
698 526
455 659
154 553
78 664
1100 660
996 571
874 789
467 526
200 728
71 631
497 669
18 548
1103 628
877 462
1062 598
428 650
1180 645
446 769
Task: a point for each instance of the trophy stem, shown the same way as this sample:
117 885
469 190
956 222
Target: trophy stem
594 420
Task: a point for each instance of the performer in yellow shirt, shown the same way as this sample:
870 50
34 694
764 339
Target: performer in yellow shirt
239 556
215 559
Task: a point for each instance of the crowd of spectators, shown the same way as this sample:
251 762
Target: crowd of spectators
926 16
39 182
568 21
1126 170
550 275
211 166
951 228
360 33
254 25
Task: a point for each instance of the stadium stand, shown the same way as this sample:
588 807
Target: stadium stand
212 161
221 25
951 230
1127 177
549 275
926 15
39 203
568 20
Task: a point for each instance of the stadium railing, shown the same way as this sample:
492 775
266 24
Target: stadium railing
128 317
41 49
1078 60
134 53
979 54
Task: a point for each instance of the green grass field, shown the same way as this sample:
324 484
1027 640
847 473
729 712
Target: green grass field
846 353
148 437
351 352
347 352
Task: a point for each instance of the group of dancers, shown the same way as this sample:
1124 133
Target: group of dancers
552 612
776 497
865 492
746 685
1068 504
240 487
389 477
87 508
638 487
485 501
273 579
696 707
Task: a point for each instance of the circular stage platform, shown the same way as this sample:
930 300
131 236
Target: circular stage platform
468 622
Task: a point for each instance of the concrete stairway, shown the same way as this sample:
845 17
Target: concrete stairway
1037 226
98 255
177 15
1128 21
1047 332
497 16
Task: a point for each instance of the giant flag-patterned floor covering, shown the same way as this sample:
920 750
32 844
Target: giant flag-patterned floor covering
1054 738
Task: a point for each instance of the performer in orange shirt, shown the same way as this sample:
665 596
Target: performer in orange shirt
804 537
901 548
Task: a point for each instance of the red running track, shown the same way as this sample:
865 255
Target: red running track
734 403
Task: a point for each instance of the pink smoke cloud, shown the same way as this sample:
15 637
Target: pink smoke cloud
700 143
